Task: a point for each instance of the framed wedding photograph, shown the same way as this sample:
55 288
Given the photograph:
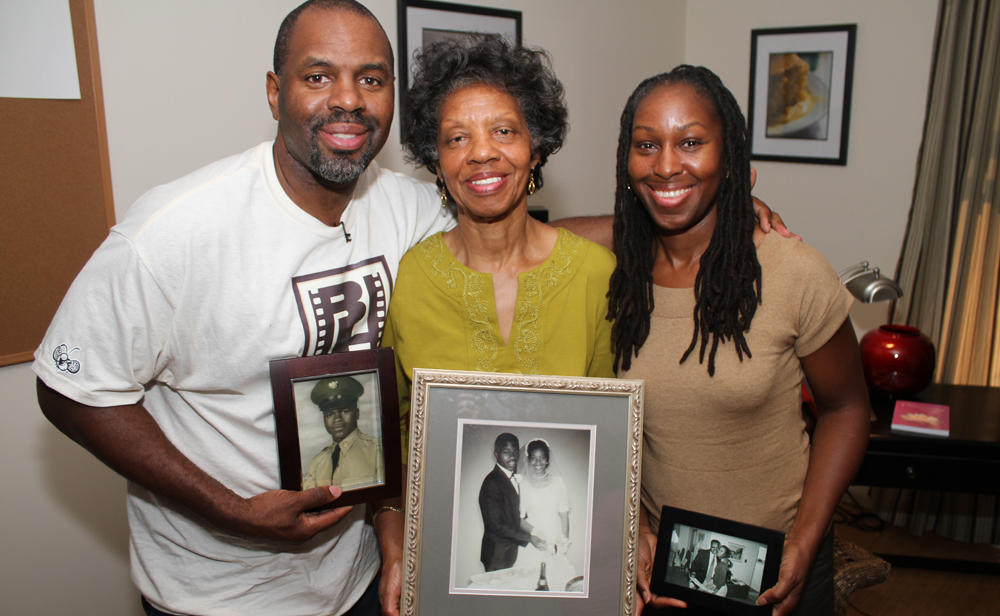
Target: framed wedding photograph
523 494
421 23
714 562
800 93
337 423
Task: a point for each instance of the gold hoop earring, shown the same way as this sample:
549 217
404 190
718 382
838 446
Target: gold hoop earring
531 183
444 196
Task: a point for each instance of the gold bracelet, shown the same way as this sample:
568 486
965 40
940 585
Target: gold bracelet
384 509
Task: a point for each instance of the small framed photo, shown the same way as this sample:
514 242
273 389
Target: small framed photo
715 563
421 23
800 93
337 423
523 494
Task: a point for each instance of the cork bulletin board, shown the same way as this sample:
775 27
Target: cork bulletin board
55 196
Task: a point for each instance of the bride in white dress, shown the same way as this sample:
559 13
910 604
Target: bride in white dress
545 511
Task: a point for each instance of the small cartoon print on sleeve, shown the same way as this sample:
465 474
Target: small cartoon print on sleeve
63 360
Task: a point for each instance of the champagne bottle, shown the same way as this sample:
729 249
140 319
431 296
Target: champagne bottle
543 584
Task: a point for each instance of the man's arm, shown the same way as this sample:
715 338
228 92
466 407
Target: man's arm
128 440
599 228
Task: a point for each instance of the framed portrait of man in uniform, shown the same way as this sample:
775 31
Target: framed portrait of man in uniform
337 423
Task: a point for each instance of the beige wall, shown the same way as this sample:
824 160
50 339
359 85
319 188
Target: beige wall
184 85
857 212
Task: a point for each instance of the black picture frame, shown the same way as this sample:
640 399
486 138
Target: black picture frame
299 422
682 530
800 111
443 18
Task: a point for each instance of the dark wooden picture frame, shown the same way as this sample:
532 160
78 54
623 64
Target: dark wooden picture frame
292 380
446 20
801 80
667 574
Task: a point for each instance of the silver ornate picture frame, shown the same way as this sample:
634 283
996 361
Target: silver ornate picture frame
577 498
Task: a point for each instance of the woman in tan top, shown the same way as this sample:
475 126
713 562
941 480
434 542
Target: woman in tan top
723 322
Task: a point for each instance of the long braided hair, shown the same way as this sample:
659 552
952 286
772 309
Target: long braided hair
727 287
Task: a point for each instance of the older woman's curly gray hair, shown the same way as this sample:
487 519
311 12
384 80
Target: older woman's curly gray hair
485 59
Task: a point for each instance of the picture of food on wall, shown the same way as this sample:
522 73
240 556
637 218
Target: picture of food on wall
798 95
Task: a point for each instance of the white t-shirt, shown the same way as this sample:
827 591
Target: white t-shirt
205 281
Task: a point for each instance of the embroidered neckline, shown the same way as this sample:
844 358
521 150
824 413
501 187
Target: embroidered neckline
525 338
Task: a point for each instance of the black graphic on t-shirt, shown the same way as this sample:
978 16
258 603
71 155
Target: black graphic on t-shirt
343 309
63 360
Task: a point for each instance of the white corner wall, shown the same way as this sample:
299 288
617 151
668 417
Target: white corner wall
858 212
183 86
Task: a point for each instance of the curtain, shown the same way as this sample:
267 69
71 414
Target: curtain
950 262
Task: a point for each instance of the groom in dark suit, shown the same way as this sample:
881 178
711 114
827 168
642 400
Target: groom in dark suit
700 569
499 502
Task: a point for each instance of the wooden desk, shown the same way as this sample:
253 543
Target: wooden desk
967 461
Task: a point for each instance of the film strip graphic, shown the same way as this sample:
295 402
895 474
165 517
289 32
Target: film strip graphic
344 310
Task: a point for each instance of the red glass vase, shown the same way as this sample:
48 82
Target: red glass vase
897 359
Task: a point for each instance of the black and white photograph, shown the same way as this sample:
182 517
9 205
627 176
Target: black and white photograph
340 435
523 502
523 494
337 424
715 563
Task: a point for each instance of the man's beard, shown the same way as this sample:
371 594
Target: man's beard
337 166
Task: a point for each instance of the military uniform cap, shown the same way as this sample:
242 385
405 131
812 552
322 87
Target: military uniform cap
337 392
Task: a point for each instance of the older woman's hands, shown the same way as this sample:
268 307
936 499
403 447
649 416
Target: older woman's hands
389 528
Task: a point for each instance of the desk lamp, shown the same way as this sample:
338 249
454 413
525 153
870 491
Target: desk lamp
868 285
898 360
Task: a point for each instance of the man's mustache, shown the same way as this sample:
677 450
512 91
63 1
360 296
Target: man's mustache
344 117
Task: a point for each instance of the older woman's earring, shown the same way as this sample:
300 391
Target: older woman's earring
531 183
444 197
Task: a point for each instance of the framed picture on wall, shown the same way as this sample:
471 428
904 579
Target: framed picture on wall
337 423
523 494
800 93
421 23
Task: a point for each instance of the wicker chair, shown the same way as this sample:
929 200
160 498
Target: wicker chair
853 568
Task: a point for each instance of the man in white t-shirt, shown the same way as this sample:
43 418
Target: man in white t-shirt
157 360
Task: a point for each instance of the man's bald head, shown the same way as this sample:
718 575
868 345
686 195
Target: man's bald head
288 25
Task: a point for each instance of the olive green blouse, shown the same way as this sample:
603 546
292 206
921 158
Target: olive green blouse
442 315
